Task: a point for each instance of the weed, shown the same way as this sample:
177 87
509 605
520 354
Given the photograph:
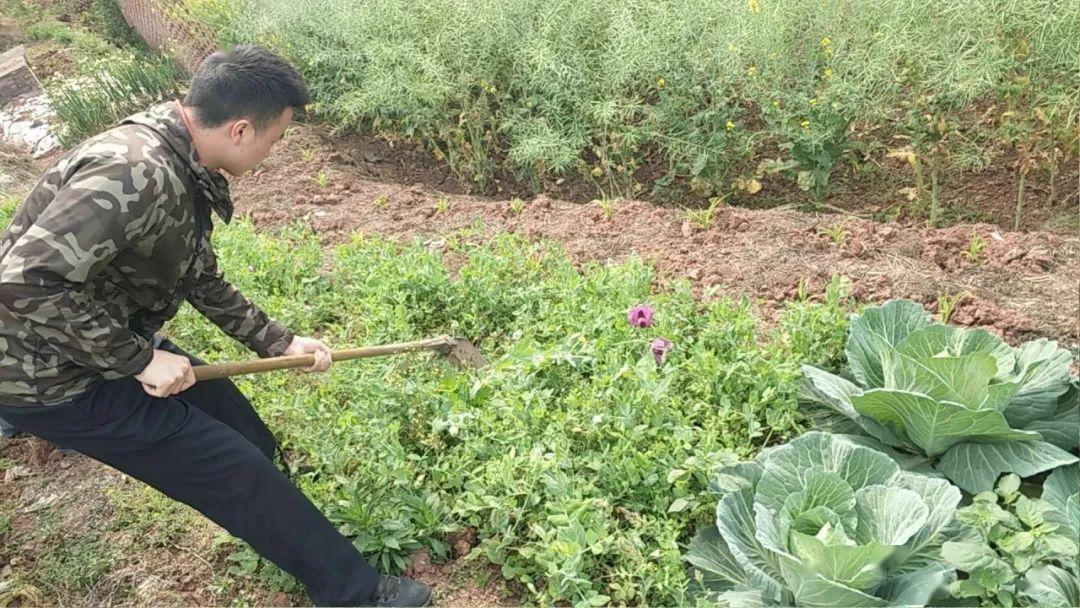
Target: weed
702 218
837 234
381 201
517 206
947 303
307 154
581 463
607 207
442 205
322 180
77 564
154 519
975 247
50 30
107 19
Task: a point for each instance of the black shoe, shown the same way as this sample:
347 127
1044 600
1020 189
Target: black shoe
397 591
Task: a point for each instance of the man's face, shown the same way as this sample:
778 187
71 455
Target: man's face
247 146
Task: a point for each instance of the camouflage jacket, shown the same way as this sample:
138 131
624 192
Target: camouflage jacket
103 251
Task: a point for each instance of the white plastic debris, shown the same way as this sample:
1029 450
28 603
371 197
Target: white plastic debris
26 122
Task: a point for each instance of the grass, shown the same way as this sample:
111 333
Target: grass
152 518
704 90
74 566
582 465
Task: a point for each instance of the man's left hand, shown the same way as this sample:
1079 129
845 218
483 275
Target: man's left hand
304 346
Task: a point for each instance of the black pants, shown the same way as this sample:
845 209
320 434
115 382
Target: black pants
208 448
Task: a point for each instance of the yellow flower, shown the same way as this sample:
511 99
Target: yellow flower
659 83
754 6
776 103
813 101
826 42
805 124
751 71
730 125
827 73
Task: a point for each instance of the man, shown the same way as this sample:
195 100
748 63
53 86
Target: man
100 254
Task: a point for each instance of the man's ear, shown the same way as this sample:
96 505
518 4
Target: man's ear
239 129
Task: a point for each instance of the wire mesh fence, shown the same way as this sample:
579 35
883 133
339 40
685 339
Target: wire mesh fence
162 25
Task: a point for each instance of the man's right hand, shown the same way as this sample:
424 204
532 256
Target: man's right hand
167 374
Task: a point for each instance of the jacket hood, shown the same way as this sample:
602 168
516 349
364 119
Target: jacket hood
166 121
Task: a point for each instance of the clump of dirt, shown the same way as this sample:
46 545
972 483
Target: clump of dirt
456 583
1024 279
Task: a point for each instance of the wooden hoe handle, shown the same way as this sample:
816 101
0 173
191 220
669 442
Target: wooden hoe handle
443 344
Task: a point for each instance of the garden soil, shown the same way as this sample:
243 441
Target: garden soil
1017 284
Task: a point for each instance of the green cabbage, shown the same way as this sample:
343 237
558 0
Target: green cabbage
826 521
962 400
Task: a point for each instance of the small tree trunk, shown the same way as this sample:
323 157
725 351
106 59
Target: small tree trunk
934 208
1019 202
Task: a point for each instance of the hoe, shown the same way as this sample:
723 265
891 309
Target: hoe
459 351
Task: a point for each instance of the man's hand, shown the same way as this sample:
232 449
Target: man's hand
167 374
303 346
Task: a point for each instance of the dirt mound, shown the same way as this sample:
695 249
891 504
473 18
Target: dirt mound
1019 284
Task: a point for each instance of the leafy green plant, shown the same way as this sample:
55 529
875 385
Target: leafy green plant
576 462
825 521
516 205
1012 535
442 205
1053 584
620 86
381 201
959 400
307 154
322 179
51 30
107 19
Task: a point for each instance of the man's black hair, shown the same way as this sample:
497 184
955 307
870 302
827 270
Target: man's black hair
245 82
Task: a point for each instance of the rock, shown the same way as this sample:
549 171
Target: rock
15 472
1012 256
42 503
46 145
1041 257
16 78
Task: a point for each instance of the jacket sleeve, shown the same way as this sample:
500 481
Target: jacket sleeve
237 316
44 274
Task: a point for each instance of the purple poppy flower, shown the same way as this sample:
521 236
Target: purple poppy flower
660 347
640 316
